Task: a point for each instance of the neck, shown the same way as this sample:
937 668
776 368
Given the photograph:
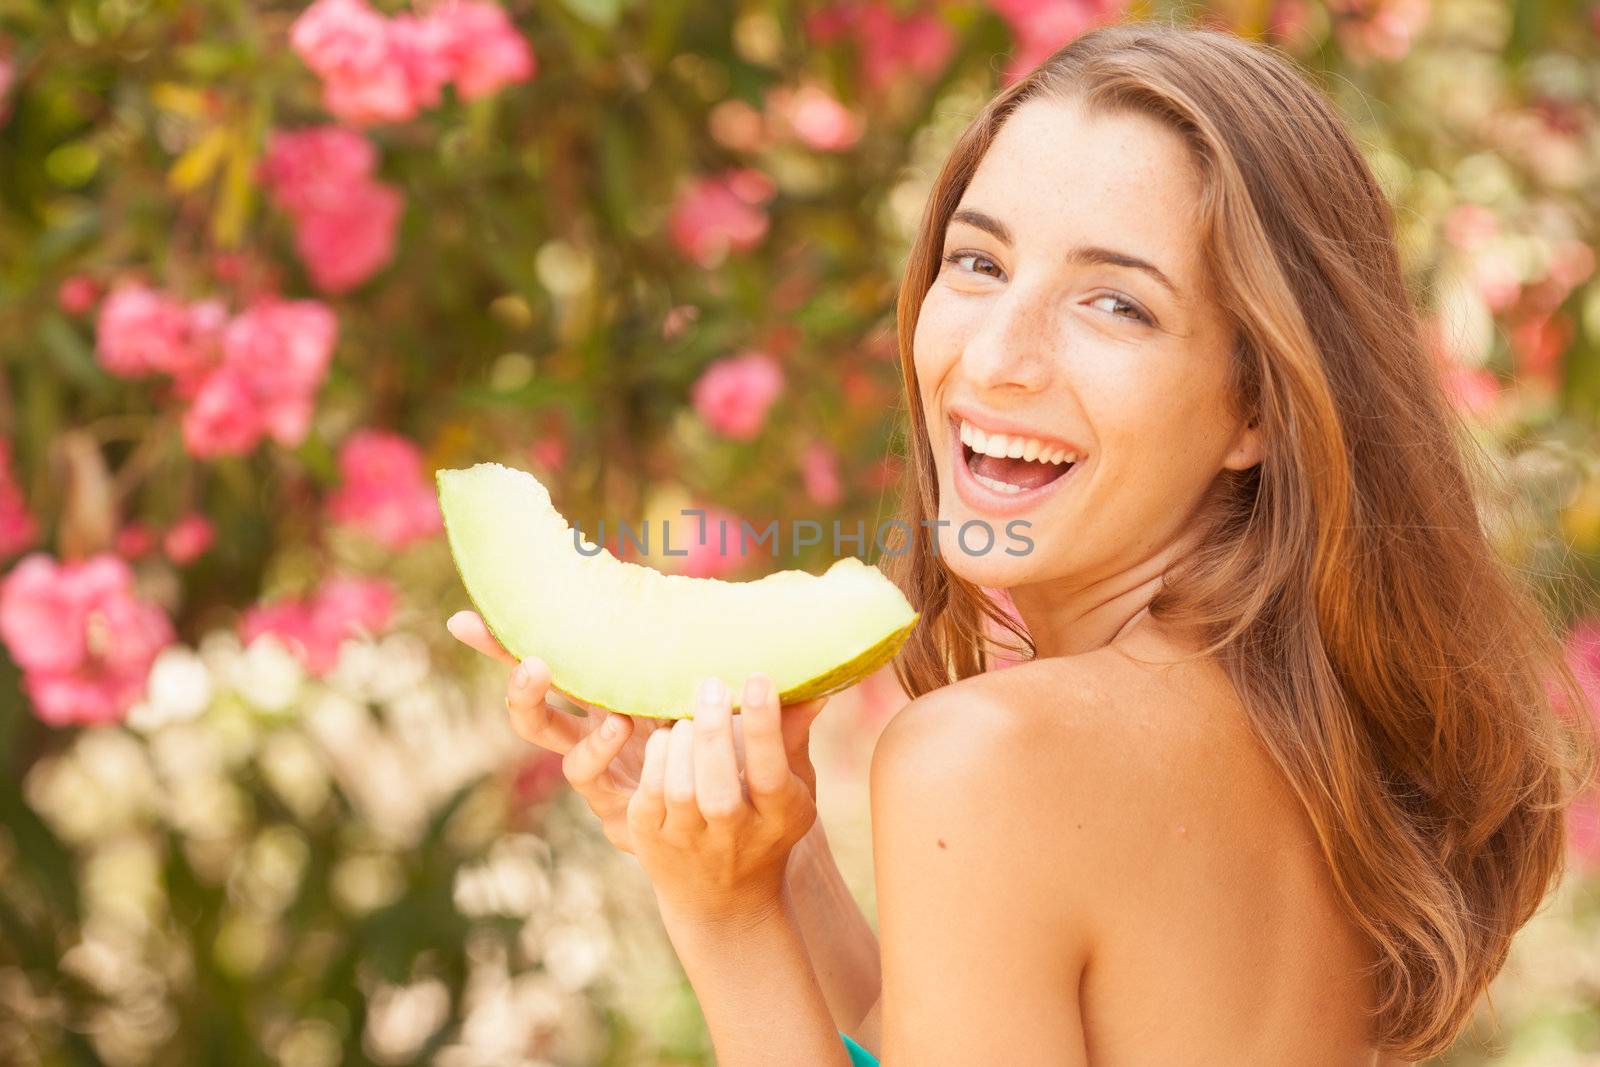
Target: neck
1066 617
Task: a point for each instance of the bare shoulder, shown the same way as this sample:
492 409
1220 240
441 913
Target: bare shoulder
1095 818
1094 761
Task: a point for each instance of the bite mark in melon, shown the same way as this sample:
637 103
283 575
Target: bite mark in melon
629 638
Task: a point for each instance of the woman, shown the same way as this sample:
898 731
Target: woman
1283 774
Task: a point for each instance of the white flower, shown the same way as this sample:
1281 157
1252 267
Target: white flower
268 675
401 1018
178 689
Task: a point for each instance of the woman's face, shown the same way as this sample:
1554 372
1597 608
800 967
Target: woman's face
1071 329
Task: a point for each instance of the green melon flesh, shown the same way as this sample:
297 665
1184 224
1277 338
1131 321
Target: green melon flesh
632 639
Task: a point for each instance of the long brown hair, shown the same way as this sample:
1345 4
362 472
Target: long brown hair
1392 663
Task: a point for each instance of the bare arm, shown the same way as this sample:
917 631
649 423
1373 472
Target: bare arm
983 941
838 938
757 989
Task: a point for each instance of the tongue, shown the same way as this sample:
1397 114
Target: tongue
1028 474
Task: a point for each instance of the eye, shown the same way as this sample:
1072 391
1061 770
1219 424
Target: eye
957 256
1119 301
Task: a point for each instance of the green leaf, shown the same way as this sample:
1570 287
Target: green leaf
601 13
196 166
70 352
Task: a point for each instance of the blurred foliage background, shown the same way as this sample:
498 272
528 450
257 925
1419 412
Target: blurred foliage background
264 265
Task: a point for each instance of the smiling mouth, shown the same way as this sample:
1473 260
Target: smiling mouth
1008 475
1010 464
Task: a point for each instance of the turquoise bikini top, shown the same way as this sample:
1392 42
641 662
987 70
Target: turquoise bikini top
859 1057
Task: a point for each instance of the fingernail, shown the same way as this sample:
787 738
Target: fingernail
611 726
519 677
756 689
713 692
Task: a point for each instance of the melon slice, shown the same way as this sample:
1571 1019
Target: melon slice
634 640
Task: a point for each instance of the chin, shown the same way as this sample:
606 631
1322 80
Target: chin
997 568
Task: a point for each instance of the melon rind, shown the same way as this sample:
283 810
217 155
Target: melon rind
492 512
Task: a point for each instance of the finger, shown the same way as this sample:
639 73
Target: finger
648 809
585 765
469 628
716 771
532 717
683 814
766 768
595 710
797 720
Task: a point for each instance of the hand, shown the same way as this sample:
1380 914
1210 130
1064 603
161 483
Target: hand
601 766
715 838
603 769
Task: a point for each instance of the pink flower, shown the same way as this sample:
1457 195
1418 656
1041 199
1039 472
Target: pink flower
678 320
354 604
345 221
1288 22
274 358
422 47
1040 27
377 69
76 295
1468 226
350 46
222 419
830 24
18 529
819 471
142 331
818 120
1473 390
485 51
383 95
312 169
1378 29
282 349
8 76
716 544
313 628
733 394
1583 829
721 213
1571 263
188 538
1498 274
549 452
537 778
890 45
386 490
344 247
83 640
1537 345
134 541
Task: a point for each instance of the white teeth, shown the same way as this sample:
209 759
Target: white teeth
1005 446
999 487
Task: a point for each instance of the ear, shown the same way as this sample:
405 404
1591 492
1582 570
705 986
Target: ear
1248 449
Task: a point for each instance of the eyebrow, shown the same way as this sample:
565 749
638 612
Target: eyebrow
1078 254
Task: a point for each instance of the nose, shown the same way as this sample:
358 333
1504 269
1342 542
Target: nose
1011 349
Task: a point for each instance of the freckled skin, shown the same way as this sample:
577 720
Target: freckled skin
1189 916
1050 346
